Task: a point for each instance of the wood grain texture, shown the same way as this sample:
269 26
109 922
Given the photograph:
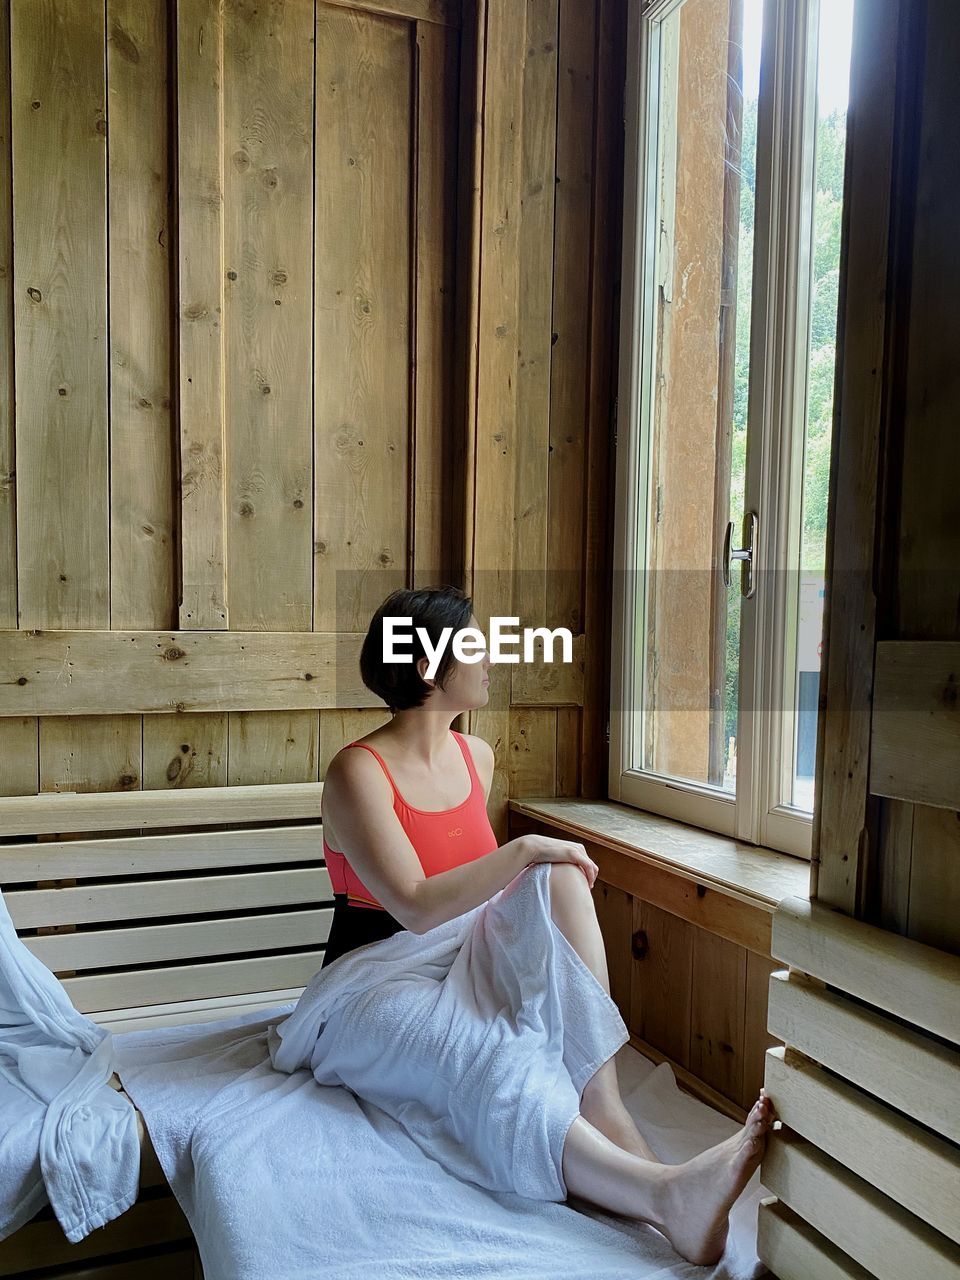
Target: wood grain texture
8 508
272 746
362 338
915 735
142 236
185 749
866 1224
200 80
843 816
717 1019
268 194
89 754
113 672
850 1126
60 260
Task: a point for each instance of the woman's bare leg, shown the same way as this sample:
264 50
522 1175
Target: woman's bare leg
690 1203
574 913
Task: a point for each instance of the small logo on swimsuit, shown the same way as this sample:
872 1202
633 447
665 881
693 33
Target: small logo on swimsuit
457 831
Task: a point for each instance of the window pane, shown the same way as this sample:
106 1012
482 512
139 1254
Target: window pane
833 77
705 69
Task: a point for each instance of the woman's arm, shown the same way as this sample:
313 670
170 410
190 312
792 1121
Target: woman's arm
359 803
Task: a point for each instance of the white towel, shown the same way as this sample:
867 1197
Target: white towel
476 1037
67 1136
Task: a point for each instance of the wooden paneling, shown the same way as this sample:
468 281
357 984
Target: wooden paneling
793 1250
870 1227
59 133
99 673
914 1073
915 742
59 812
8 509
861 1133
661 998
364 129
898 975
200 79
141 230
267 272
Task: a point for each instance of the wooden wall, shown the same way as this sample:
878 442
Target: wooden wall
887 848
299 302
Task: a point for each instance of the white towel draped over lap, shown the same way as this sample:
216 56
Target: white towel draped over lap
476 1037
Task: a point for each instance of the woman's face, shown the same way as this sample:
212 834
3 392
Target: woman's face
468 682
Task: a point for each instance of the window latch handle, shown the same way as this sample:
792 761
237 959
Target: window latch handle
745 554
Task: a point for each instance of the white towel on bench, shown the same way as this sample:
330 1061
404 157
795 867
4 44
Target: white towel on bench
65 1136
476 1037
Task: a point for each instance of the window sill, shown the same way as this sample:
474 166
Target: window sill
723 885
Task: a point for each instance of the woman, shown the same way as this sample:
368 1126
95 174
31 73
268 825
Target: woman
409 846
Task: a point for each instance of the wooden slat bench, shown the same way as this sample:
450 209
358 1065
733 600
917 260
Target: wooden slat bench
150 924
866 1168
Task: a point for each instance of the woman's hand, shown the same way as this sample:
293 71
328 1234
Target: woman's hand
548 849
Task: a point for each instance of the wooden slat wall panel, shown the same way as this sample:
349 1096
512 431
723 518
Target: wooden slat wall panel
89 753
143 560
661 1004
571 268
717 1018
269 747
794 1251
120 856
19 755
445 12
435 540
126 990
861 1133
268 115
200 77
870 1227
362 314
8 509
60 258
185 749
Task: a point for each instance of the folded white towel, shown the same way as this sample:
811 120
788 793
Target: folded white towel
67 1136
476 1037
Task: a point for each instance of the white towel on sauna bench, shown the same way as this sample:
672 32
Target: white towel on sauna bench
66 1136
281 1177
477 1037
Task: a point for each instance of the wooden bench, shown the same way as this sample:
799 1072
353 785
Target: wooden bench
184 906
866 1169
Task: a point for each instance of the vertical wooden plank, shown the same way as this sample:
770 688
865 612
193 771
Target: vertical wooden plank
571 293
143 557
19 755
362 325
533 585
935 879
185 749
756 1038
662 969
843 815
60 269
569 721
717 1013
268 747
495 451
90 753
200 212
532 760
434 535
615 916
8 508
604 332
268 118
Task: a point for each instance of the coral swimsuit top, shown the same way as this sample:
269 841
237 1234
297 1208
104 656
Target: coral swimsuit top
443 838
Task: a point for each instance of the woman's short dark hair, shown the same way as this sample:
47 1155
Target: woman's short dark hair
400 684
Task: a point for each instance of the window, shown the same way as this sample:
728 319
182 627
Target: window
735 131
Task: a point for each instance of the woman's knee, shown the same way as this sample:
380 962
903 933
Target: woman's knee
568 877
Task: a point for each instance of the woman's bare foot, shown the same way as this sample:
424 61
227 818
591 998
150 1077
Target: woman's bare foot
699 1194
